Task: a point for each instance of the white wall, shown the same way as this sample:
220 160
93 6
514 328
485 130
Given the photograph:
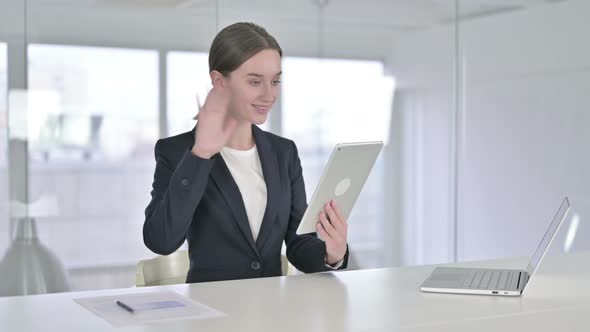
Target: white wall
426 199
523 87
423 63
527 119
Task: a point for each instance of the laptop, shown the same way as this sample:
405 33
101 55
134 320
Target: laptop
343 179
493 281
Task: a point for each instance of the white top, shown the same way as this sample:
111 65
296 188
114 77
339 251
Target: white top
556 299
246 170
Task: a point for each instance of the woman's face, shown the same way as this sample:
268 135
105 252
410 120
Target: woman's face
254 87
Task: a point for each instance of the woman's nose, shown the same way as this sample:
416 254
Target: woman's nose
268 93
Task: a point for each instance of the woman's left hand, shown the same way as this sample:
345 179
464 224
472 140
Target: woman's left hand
334 230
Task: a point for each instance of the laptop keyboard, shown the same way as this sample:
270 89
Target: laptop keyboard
490 279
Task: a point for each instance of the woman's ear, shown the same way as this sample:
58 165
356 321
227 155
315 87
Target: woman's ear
217 79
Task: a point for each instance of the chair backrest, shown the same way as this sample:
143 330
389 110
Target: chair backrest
172 269
163 270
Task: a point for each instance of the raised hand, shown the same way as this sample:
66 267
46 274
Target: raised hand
214 124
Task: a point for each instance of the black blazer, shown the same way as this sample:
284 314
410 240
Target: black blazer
197 199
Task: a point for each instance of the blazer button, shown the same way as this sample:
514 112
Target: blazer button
255 266
184 182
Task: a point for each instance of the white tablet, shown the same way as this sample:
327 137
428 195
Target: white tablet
343 179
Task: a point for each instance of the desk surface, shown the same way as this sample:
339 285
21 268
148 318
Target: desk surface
556 299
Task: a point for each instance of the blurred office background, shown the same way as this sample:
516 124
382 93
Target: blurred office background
483 105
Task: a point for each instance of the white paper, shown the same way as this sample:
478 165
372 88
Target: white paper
148 308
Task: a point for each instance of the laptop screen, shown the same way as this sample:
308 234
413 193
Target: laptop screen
549 234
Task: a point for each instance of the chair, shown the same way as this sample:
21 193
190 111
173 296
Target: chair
163 270
172 269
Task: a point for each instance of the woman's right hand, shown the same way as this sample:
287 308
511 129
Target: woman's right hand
214 124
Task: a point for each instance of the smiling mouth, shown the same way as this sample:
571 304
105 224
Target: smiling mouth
261 108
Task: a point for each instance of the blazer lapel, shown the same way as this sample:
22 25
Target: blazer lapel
230 191
270 170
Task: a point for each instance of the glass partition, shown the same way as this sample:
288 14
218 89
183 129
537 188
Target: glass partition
481 104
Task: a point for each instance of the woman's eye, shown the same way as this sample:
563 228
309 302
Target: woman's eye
255 82
277 82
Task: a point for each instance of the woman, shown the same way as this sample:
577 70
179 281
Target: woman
233 191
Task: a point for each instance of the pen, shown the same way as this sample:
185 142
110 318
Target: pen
124 306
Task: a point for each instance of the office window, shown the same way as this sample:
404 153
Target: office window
98 102
326 101
188 81
92 126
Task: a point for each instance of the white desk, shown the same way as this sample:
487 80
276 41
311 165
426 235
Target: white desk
557 299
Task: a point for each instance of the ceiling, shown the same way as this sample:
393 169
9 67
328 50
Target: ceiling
397 14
